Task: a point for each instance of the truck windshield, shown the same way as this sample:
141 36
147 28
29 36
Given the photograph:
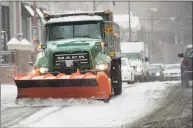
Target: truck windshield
132 56
75 30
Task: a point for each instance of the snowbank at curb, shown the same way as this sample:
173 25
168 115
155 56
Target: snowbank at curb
8 95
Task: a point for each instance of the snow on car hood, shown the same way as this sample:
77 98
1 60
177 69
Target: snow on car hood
172 71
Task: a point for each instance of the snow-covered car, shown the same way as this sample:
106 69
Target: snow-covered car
172 72
127 71
155 73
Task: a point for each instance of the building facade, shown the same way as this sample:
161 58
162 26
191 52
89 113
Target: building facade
17 19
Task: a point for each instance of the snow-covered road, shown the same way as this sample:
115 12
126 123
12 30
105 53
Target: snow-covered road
136 101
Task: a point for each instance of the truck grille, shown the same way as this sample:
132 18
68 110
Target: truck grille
68 58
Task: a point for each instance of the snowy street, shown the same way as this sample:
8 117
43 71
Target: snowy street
140 104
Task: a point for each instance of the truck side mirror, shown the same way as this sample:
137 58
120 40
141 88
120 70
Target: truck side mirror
133 67
146 59
181 55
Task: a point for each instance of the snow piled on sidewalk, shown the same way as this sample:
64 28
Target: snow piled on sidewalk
8 95
136 101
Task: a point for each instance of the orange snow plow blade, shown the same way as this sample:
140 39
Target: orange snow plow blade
64 86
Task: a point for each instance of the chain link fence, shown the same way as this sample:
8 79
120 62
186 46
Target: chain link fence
14 63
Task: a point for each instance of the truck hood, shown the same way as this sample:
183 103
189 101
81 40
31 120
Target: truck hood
135 62
71 45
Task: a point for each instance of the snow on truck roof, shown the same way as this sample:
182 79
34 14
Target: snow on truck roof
75 18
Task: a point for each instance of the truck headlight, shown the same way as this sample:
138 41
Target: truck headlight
139 69
44 70
102 67
157 74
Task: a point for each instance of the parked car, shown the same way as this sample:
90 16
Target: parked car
155 73
172 72
186 66
127 71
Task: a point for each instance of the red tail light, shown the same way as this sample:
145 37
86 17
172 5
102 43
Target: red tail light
185 62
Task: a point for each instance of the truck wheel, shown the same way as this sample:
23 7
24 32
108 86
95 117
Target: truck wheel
147 77
142 78
118 88
185 82
133 79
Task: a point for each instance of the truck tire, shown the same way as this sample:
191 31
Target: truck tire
147 77
116 75
184 81
142 78
118 90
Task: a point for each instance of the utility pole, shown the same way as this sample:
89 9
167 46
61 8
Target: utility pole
0 42
146 30
94 4
35 30
152 32
175 28
192 19
129 10
35 20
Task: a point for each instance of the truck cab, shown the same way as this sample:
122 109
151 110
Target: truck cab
86 41
137 53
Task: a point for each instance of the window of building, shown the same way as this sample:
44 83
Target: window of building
5 32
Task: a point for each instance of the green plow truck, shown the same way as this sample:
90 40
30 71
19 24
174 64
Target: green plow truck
80 58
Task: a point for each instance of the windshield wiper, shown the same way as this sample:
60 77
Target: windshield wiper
83 36
58 38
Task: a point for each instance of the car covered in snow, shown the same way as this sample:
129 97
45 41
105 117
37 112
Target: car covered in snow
155 73
172 72
186 65
127 71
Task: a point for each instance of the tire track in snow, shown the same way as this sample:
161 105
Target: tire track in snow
14 115
41 117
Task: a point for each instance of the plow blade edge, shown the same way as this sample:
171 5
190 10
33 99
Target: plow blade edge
64 86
